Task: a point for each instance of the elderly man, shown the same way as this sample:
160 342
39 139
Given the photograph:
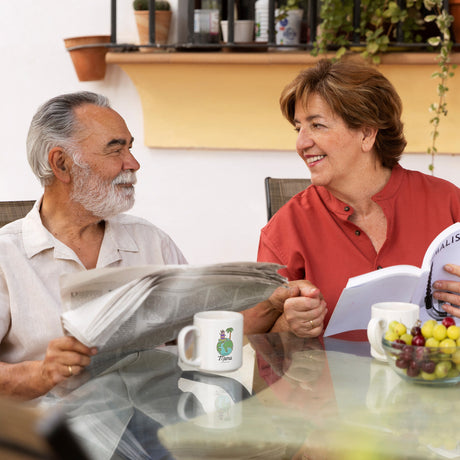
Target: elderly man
80 150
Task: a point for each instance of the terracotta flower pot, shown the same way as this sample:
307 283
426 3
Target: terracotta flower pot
89 63
454 10
162 23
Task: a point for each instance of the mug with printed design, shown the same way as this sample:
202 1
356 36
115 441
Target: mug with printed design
216 340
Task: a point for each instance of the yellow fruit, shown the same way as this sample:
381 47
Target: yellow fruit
453 332
426 376
454 372
439 332
399 329
391 336
447 346
391 326
407 338
456 357
427 328
431 342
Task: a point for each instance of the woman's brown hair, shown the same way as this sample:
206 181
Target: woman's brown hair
359 94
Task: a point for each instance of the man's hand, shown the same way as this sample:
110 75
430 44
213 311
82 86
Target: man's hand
304 310
65 357
452 286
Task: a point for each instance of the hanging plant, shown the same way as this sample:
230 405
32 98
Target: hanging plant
443 21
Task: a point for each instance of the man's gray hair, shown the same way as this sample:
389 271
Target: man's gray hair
55 125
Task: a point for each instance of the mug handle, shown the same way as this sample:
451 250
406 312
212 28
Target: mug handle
374 334
181 345
181 406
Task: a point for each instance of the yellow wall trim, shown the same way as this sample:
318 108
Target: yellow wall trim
229 100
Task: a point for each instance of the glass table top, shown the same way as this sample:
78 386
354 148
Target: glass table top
292 399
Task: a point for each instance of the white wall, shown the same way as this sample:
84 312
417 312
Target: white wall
211 202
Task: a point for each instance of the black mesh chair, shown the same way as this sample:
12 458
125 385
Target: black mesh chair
279 191
13 210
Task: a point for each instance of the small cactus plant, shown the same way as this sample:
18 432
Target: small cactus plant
143 5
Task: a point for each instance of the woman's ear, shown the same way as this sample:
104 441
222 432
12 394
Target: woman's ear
60 164
368 140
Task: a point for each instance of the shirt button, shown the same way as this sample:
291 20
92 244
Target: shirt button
357 232
346 208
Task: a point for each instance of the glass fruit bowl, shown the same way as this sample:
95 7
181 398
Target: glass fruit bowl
425 365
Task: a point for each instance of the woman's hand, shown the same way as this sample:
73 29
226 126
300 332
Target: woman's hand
304 312
453 296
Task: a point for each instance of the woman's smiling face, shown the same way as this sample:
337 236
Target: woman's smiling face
331 150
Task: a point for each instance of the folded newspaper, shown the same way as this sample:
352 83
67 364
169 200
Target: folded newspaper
144 306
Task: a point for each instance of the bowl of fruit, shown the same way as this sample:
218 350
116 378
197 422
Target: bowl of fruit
427 353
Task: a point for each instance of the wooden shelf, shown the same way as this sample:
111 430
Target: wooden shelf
229 100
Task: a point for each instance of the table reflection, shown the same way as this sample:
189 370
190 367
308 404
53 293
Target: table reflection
310 399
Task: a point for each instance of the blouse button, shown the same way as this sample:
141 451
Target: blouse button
357 232
346 208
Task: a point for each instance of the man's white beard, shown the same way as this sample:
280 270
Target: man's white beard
101 198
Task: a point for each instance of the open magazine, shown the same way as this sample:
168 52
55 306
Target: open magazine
403 283
144 306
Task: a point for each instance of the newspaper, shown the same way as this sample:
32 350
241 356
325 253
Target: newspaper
144 306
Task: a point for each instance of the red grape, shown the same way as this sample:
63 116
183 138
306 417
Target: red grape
413 369
428 367
418 341
402 363
398 344
448 321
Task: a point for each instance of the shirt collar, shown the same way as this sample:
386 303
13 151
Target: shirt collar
37 238
116 239
343 210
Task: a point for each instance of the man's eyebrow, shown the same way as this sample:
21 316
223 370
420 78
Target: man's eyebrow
119 142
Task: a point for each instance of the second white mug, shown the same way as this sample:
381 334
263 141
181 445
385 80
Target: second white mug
382 314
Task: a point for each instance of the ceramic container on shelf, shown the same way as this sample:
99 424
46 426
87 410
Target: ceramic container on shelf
162 26
243 32
89 63
288 29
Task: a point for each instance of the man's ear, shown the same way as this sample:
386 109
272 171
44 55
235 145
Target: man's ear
368 139
60 164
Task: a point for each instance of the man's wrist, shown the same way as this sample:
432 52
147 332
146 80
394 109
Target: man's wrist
280 325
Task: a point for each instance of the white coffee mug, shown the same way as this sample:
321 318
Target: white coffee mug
211 407
218 341
382 314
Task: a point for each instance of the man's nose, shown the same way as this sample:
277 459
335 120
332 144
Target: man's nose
130 162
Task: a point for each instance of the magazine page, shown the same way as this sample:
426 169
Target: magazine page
444 249
353 309
403 283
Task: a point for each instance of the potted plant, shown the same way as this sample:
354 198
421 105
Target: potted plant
163 15
288 22
377 28
88 55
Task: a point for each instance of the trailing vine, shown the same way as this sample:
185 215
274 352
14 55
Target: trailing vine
443 41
